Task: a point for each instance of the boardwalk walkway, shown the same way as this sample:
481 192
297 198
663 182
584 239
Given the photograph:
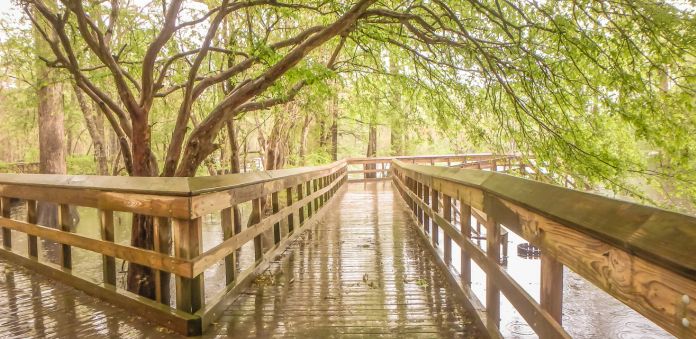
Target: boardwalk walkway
360 273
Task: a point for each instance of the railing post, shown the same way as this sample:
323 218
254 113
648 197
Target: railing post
308 187
65 221
447 214
32 218
6 232
162 241
227 223
436 208
300 212
316 199
426 200
291 216
275 205
256 216
493 253
106 221
552 287
187 245
419 193
465 224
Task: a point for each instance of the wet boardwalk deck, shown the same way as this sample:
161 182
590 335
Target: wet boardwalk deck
360 273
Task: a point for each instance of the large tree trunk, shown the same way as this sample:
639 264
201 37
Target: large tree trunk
141 279
51 125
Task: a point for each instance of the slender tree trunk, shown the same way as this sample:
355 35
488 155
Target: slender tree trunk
234 168
334 136
303 140
96 131
371 150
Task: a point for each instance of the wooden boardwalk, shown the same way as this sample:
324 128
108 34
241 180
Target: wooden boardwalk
362 272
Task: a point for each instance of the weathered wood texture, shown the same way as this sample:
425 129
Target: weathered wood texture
637 254
178 204
361 272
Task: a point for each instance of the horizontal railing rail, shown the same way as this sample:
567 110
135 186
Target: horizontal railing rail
640 255
377 168
177 207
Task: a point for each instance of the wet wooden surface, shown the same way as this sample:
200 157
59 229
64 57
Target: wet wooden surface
360 273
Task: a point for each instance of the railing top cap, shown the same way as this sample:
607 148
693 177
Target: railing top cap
655 234
168 186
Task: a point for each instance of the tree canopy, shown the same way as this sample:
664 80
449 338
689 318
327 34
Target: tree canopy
603 90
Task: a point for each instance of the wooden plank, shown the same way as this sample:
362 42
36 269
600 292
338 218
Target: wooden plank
291 216
540 321
551 295
493 255
187 245
465 229
300 211
218 252
255 219
148 204
128 253
308 187
162 234
447 214
66 223
6 213
275 205
227 224
435 202
178 321
225 298
653 291
106 226
32 240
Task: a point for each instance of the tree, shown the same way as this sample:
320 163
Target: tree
507 73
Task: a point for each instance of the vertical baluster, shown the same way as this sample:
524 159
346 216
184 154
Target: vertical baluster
436 208
291 216
275 204
493 253
187 245
447 214
65 221
419 192
552 287
256 216
465 222
315 185
426 200
309 204
32 218
300 212
106 223
6 232
162 242
227 223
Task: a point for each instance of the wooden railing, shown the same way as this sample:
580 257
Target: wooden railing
642 256
368 169
177 207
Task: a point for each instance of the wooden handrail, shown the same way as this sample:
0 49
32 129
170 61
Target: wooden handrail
177 206
638 254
